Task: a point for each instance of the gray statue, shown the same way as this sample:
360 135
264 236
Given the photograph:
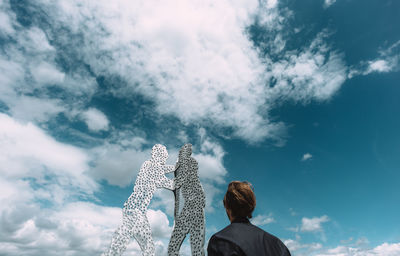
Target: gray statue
134 222
191 219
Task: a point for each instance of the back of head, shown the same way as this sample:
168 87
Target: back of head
240 199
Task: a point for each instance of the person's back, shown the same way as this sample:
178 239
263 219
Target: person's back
241 237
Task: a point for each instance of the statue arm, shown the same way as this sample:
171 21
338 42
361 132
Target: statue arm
168 168
179 179
177 198
167 183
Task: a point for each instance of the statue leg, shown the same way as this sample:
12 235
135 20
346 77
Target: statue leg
121 237
178 236
142 234
197 237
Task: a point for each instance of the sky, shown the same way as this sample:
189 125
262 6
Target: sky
299 97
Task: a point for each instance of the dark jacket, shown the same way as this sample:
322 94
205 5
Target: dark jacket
242 238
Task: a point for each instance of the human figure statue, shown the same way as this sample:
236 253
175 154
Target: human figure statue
134 221
191 219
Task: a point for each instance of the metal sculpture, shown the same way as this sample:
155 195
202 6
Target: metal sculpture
191 219
134 222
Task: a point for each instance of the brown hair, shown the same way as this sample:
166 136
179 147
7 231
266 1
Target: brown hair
240 199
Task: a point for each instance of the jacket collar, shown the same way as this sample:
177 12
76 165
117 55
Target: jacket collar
241 220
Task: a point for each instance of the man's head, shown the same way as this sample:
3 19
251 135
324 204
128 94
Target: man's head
239 200
159 153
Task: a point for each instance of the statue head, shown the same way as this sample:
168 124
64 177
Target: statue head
159 153
185 151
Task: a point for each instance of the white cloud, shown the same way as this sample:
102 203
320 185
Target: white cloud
261 220
95 119
6 27
206 70
328 3
27 66
34 109
164 199
271 4
379 66
118 165
299 248
388 60
36 168
46 73
211 167
210 160
313 224
313 73
306 157
296 246
159 224
387 249
27 151
79 228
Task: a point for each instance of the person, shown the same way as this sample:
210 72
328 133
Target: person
191 219
241 237
134 222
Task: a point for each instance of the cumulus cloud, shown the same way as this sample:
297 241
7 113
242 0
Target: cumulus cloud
261 220
34 169
190 62
183 57
116 164
212 171
388 60
312 73
306 157
210 158
79 228
387 249
26 151
28 68
296 246
95 119
29 108
46 73
313 224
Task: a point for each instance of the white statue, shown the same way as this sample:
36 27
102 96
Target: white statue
134 222
191 219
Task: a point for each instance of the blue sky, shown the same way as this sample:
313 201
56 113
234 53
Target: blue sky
301 98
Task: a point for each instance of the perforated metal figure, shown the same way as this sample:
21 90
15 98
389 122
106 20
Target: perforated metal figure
134 222
191 219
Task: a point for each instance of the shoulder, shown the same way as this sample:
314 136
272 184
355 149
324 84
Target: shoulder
222 232
222 247
146 163
233 232
275 244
